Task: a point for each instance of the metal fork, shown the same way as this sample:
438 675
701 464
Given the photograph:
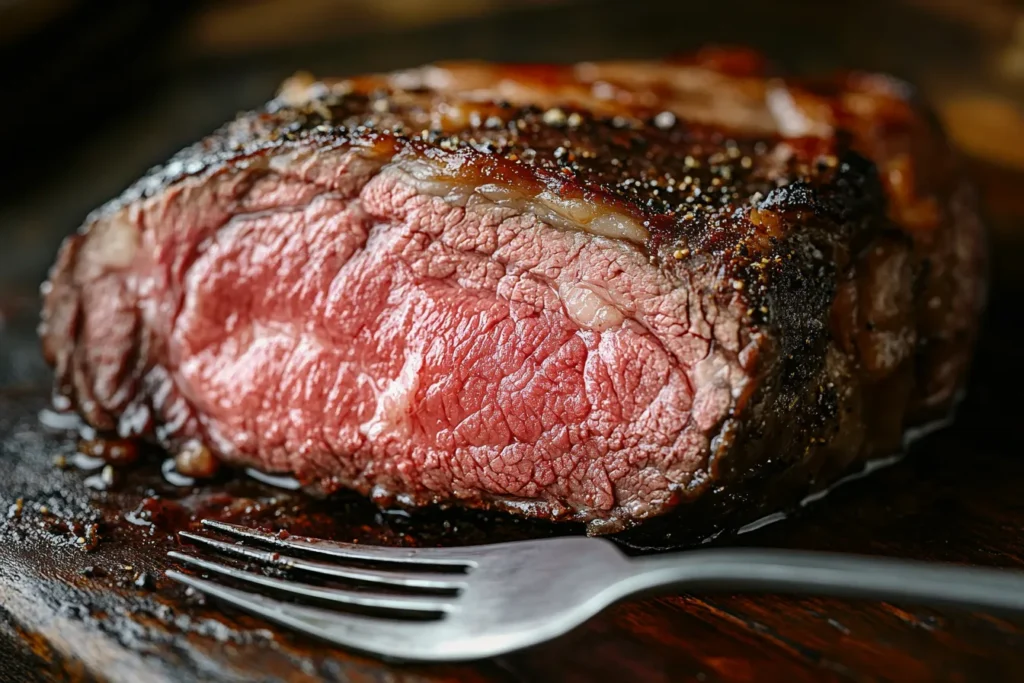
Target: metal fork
448 604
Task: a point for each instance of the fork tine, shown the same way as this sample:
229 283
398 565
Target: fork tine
381 636
388 577
461 557
413 603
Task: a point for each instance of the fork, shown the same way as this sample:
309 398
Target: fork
452 604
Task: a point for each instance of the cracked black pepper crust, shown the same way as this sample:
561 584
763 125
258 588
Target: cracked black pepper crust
693 186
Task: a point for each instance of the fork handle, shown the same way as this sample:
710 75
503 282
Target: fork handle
827 575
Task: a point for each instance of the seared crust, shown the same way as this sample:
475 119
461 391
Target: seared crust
830 214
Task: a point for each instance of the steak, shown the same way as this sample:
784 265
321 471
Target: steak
589 293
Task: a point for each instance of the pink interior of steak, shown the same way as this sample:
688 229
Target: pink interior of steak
340 320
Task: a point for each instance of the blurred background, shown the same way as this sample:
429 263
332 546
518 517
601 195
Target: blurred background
94 93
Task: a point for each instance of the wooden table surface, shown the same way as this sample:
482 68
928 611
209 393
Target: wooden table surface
102 611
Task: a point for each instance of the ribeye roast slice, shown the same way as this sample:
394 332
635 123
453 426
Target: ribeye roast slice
588 292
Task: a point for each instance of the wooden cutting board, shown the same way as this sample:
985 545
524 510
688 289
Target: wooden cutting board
100 608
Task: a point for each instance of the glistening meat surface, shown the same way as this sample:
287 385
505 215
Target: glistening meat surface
589 293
